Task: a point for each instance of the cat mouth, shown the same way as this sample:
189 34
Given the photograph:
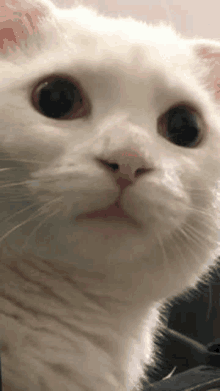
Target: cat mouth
113 213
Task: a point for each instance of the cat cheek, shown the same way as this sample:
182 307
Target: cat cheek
163 206
71 184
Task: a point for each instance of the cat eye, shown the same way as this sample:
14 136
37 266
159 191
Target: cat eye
181 125
60 97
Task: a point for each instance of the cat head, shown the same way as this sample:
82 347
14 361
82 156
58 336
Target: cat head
91 146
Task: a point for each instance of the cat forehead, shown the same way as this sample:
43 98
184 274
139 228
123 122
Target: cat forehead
129 29
81 37
81 40
89 30
81 34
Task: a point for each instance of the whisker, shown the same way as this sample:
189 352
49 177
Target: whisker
163 249
38 226
6 169
180 235
52 201
194 237
36 214
20 211
19 225
21 160
202 211
14 184
200 187
196 232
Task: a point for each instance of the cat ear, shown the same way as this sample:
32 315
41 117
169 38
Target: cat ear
19 20
208 53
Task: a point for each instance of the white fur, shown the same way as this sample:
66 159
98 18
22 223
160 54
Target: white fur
76 300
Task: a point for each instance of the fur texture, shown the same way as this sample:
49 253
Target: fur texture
79 275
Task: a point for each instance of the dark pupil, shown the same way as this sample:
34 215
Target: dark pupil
58 98
182 128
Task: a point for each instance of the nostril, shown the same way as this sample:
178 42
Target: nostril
113 166
140 171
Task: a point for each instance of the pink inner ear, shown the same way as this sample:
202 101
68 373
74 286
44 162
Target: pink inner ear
16 24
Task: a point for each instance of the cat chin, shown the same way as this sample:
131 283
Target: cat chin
87 238
86 242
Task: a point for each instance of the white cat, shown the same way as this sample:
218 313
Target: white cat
110 160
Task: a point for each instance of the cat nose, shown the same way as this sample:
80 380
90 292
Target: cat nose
126 166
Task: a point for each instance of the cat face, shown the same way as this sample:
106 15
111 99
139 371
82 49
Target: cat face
109 151
109 142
